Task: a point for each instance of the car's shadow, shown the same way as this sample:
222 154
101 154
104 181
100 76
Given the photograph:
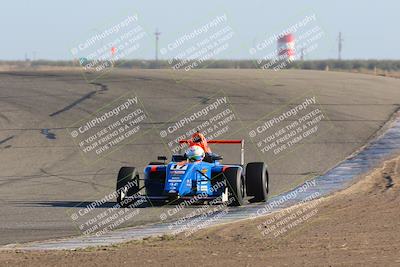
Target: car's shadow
74 204
90 204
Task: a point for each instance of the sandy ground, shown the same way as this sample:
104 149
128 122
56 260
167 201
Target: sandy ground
378 72
356 227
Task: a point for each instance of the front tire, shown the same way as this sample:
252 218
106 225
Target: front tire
235 184
257 183
127 185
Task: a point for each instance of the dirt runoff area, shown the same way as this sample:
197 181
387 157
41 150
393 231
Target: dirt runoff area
359 226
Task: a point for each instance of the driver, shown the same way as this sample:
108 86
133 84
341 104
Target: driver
198 139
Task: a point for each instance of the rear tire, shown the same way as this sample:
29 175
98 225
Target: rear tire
257 183
235 184
127 185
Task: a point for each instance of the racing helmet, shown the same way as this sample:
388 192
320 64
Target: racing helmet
195 153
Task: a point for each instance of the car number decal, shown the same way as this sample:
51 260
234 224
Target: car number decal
179 167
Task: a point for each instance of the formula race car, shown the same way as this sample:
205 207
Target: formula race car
201 180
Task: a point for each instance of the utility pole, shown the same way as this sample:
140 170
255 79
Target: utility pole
340 40
157 34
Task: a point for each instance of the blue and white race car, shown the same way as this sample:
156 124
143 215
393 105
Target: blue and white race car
203 180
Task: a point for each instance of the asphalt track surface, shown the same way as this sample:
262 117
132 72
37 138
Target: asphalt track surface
44 177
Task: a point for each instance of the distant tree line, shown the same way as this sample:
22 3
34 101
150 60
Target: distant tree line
386 65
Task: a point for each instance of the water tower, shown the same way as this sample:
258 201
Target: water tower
286 48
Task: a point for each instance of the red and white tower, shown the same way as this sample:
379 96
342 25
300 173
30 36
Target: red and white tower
286 48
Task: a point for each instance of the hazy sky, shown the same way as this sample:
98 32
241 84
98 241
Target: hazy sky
51 28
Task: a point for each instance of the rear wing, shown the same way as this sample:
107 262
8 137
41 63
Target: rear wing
226 142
